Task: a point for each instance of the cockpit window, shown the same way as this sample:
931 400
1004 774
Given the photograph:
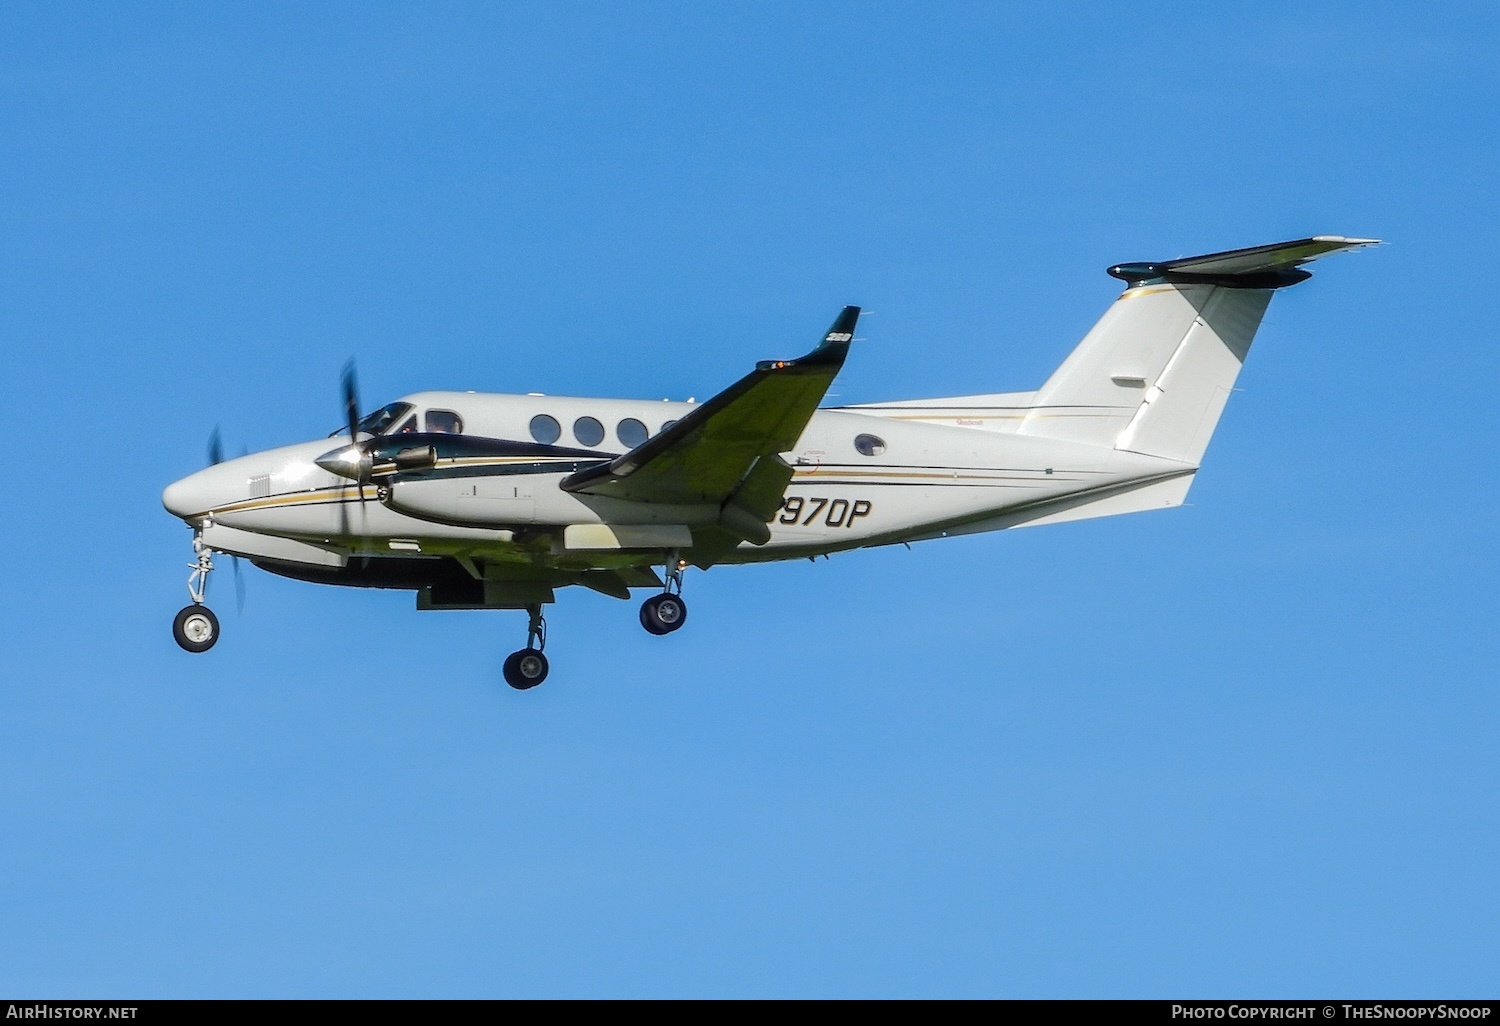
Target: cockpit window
445 422
377 422
407 426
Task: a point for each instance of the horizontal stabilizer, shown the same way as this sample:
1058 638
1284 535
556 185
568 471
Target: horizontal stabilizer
1259 267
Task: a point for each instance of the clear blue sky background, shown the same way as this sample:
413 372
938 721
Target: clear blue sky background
1245 748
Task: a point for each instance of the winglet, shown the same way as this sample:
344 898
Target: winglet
705 456
832 350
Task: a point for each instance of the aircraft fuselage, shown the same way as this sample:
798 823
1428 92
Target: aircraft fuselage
859 478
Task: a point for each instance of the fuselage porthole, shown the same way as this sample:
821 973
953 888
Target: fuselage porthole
545 429
630 432
588 431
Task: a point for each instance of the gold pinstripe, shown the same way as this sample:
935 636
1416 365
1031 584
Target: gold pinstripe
918 475
347 493
340 493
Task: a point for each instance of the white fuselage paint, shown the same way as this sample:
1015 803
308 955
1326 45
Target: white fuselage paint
932 477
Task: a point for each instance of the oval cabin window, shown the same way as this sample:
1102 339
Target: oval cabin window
869 445
588 431
545 429
631 432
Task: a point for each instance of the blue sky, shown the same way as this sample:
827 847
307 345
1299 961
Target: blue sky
1244 748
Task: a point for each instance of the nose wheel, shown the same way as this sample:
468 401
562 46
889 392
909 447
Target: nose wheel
527 668
196 628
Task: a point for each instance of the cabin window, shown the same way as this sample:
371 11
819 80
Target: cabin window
667 425
588 431
869 445
545 429
445 422
631 432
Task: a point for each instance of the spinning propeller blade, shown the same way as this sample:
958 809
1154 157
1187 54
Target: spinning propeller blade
351 400
350 389
215 457
239 585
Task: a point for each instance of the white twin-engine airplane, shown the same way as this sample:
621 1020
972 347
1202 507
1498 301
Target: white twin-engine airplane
479 501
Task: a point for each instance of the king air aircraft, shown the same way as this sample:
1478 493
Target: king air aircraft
480 501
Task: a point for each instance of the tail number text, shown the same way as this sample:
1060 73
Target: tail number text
834 513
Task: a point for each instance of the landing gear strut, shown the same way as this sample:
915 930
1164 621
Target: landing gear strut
528 668
664 613
195 627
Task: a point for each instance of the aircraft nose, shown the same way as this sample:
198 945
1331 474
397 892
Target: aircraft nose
187 497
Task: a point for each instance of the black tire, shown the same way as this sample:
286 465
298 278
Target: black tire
663 614
525 669
196 628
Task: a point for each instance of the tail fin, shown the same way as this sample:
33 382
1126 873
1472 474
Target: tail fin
1153 375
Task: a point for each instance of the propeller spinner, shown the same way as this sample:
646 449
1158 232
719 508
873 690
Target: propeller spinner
351 461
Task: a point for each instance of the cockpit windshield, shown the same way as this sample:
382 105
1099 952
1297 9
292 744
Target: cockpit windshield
380 421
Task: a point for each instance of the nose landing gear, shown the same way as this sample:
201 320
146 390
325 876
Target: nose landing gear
665 613
527 668
195 627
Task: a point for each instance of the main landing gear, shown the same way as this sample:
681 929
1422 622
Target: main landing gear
195 627
528 668
660 614
664 613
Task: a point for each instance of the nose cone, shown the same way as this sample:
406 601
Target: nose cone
188 497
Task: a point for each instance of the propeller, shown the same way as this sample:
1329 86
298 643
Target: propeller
349 389
356 461
351 399
215 457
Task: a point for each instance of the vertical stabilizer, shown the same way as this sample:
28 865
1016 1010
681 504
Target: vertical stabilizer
1094 394
1181 408
1153 375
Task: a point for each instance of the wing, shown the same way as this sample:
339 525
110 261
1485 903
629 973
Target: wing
726 451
